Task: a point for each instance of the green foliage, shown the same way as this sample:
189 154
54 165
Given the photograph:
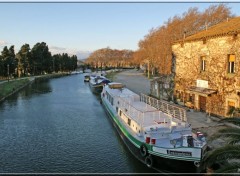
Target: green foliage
225 155
8 87
35 61
23 58
233 135
229 168
235 120
231 110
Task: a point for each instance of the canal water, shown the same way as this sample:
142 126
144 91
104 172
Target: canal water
59 126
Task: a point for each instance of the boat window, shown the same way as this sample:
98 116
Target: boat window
120 113
111 101
117 109
129 122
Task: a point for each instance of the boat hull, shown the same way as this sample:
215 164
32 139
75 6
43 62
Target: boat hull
159 164
96 88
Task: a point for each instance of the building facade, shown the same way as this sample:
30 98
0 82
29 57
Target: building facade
162 87
207 70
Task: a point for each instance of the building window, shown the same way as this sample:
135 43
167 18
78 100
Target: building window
111 100
182 44
231 63
204 41
203 64
235 36
192 99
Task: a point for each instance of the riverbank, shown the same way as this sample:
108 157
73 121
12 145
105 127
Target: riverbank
8 88
11 87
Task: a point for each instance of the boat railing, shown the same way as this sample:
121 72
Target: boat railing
167 108
139 116
129 110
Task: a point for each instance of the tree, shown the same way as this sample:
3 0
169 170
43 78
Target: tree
155 48
1 66
107 57
4 57
23 58
41 60
8 61
227 156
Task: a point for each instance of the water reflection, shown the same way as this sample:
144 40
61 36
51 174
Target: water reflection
63 130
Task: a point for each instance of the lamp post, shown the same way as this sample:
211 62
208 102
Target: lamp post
8 71
148 69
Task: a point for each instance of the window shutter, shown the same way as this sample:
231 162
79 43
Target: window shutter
230 103
231 58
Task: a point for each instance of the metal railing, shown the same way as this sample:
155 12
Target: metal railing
167 108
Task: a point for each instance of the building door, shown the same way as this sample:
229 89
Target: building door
231 107
202 103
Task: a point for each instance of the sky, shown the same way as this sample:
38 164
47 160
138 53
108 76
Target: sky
83 27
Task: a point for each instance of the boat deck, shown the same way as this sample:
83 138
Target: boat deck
160 125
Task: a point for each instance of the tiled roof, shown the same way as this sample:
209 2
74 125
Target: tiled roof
228 27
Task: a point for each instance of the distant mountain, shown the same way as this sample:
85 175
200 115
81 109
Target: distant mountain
79 53
82 55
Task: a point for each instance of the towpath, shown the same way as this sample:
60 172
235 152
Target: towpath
137 82
134 80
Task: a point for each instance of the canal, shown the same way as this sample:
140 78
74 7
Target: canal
59 126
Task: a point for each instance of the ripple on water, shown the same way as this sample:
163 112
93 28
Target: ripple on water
62 131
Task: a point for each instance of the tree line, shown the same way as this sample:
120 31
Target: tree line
155 48
110 58
35 61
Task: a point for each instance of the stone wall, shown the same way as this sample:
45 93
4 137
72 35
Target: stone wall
215 51
162 87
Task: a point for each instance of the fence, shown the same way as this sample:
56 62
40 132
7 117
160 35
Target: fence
167 108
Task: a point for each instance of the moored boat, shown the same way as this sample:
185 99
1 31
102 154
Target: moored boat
156 133
97 82
86 78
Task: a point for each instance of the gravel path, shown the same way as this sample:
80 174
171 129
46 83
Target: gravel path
134 80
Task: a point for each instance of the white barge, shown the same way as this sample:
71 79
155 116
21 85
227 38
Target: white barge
157 133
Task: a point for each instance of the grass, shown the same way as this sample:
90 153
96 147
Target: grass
7 88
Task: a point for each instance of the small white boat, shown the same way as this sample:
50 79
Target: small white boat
76 72
97 82
155 132
86 78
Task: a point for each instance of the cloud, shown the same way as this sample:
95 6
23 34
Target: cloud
57 48
79 53
3 43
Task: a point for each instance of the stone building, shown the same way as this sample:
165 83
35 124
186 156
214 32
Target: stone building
162 87
207 75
